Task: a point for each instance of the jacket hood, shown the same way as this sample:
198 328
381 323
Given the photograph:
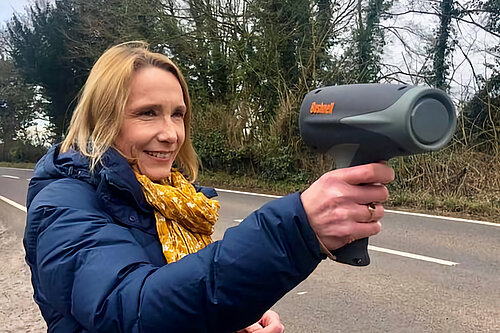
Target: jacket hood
113 171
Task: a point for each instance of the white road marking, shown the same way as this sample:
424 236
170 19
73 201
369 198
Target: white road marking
9 176
13 203
250 193
370 247
413 256
402 254
444 218
387 210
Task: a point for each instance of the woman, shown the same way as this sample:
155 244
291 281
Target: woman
119 241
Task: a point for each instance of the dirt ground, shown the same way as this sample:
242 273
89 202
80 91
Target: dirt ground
18 311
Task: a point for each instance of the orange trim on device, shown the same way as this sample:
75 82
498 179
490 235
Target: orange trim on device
321 108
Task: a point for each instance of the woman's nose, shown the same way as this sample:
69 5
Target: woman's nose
167 132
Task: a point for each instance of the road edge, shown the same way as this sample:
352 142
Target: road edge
12 217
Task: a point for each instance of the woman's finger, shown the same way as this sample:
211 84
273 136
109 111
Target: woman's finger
255 328
271 323
364 229
371 212
367 174
366 194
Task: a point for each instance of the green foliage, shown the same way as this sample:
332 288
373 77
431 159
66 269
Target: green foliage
248 65
18 108
57 44
215 154
364 54
278 164
481 114
492 7
442 47
481 117
23 152
211 148
38 48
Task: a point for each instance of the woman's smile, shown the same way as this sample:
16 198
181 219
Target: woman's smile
160 155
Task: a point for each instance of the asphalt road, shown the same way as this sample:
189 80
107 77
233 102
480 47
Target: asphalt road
441 275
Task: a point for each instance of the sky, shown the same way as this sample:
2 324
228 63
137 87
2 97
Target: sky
472 39
8 7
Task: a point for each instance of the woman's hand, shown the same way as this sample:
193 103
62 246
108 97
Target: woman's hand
269 323
339 205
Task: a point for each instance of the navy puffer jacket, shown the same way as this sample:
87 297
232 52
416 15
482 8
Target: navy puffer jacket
97 263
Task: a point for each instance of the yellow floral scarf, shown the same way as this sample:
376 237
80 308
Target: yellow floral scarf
184 218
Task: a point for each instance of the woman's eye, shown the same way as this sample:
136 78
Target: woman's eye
179 114
148 113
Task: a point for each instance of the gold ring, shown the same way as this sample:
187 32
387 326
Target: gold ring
371 210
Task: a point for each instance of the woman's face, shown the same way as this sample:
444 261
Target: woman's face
153 123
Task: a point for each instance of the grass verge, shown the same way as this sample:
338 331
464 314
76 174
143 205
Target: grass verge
487 209
248 184
17 165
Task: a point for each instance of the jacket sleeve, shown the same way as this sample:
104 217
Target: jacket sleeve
96 271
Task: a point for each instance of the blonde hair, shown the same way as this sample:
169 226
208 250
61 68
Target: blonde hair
97 118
